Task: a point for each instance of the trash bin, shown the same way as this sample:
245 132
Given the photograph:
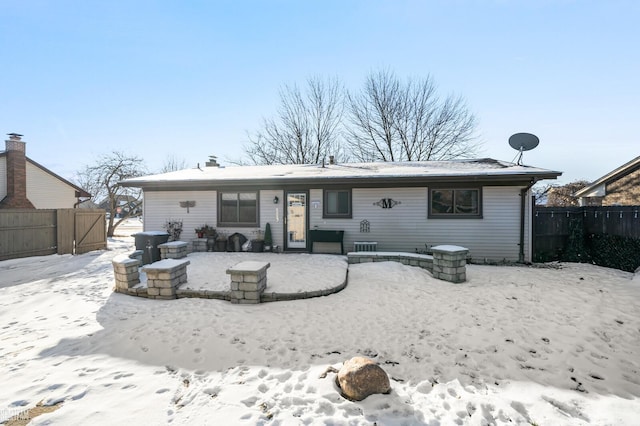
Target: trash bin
148 242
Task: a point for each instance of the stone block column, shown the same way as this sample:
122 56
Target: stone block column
248 281
126 273
164 276
449 263
173 250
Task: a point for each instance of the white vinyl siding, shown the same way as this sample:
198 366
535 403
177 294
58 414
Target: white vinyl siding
160 206
46 191
273 214
405 227
495 237
400 228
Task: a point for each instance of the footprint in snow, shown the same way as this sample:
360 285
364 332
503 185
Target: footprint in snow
122 375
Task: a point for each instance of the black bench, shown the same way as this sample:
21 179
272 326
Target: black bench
326 236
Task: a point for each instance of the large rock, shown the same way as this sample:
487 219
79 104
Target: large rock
360 377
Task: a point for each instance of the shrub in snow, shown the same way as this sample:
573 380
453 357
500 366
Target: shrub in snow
174 228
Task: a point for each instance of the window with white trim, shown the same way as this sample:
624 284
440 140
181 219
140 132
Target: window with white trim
455 202
238 209
337 203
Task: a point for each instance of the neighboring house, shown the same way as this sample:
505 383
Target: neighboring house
25 184
484 205
621 187
124 204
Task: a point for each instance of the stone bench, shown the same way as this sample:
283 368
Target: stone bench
164 276
423 261
248 281
173 250
448 262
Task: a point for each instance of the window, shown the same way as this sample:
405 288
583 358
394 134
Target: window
238 209
337 203
458 203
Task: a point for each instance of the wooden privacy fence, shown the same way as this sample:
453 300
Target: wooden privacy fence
41 232
551 225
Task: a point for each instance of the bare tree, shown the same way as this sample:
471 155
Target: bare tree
396 121
540 192
306 129
101 179
173 163
563 195
372 134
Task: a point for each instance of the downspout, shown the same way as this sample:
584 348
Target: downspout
80 202
523 193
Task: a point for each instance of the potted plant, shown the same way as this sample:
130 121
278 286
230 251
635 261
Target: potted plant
200 232
221 242
268 239
209 232
257 244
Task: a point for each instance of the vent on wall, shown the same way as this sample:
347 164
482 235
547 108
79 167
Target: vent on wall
365 246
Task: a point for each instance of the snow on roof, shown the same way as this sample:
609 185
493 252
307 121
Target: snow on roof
424 169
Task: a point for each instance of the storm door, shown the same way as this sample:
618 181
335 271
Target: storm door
296 220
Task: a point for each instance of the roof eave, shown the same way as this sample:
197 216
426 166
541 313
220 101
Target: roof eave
354 181
611 176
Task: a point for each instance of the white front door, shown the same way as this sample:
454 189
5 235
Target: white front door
296 220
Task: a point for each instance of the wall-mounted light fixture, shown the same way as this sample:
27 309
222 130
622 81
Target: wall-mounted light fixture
276 200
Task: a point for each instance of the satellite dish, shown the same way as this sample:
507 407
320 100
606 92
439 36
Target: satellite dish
523 142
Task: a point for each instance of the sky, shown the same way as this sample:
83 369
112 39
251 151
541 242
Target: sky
189 79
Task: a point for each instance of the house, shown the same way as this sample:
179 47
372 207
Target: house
125 204
25 184
484 205
620 187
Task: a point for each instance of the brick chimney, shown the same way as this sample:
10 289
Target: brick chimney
16 175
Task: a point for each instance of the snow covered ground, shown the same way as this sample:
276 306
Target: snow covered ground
513 345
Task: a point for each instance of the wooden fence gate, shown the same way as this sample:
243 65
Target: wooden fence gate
41 232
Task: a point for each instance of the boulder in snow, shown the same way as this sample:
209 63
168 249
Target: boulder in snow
360 377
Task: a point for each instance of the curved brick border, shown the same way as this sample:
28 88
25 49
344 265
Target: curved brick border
266 297
276 297
203 294
138 290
